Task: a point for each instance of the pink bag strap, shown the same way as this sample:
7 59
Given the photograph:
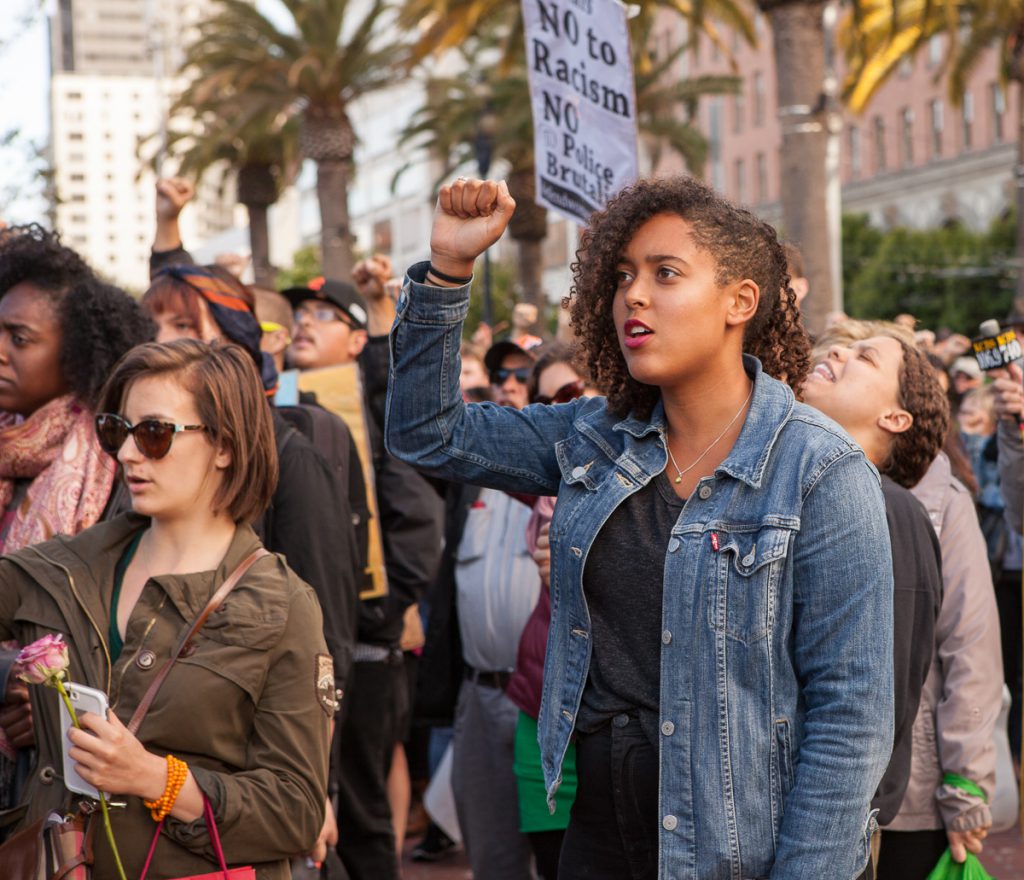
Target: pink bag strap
211 827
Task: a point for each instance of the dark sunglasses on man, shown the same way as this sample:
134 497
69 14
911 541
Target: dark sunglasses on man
152 437
500 376
569 391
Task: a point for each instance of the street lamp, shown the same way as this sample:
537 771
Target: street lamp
483 146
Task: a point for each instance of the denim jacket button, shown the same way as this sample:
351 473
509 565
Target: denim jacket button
748 560
669 823
577 552
705 493
666 637
578 472
668 728
673 545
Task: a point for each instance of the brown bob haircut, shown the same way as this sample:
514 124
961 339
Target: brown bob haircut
231 404
920 394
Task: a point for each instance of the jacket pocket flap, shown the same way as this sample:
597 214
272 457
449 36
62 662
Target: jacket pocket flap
753 550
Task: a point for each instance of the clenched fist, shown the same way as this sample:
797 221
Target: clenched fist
471 215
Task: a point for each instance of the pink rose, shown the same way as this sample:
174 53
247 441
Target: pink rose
43 660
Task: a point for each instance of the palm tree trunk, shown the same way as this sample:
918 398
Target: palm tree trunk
528 228
530 273
335 231
1018 302
799 42
259 245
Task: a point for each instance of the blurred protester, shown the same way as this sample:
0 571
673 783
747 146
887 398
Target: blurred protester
962 695
61 332
337 324
245 717
554 380
964 375
473 378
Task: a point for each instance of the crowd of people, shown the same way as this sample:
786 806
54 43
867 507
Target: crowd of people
689 594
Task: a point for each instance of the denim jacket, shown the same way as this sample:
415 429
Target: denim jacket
776 649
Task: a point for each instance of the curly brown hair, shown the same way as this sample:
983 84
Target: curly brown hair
743 247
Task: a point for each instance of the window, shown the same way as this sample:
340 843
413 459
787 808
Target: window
907 136
967 116
906 68
741 181
76 178
936 116
998 112
880 162
762 177
78 218
77 197
75 136
935 50
853 145
739 109
74 96
758 98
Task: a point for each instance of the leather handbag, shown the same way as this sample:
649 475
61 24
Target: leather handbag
225 873
60 848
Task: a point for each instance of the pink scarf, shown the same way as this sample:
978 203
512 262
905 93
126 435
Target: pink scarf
55 448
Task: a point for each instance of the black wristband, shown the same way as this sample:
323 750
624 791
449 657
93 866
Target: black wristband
451 279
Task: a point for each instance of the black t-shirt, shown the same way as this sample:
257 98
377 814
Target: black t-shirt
624 582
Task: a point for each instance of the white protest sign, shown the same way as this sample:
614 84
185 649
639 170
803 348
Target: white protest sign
584 102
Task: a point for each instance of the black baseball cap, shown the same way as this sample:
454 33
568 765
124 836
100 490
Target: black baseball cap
337 293
501 350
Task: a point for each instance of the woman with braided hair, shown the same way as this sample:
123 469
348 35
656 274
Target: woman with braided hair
721 573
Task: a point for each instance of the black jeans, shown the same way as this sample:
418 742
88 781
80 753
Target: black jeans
376 708
910 855
613 826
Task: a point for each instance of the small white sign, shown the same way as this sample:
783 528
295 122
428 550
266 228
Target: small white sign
584 102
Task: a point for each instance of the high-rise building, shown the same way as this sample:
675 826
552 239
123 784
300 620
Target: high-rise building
112 82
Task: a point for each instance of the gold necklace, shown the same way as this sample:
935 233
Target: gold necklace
681 473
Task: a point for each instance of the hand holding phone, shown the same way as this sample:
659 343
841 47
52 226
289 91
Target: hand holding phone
84 699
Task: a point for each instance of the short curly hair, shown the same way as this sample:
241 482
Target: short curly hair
742 245
98 321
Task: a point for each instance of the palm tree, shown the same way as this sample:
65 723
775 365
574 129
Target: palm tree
449 24
880 33
264 161
448 125
798 34
311 73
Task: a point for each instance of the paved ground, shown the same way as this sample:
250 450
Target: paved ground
1003 858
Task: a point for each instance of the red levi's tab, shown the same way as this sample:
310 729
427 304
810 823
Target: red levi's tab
477 505
714 541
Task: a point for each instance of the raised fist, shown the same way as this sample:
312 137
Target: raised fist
471 215
371 277
172 194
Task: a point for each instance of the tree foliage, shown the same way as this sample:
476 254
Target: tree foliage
947 277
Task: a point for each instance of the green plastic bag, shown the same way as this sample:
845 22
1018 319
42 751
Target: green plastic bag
947 869
971 869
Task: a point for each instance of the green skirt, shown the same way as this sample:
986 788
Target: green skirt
533 804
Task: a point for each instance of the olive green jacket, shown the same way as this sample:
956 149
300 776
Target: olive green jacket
248 710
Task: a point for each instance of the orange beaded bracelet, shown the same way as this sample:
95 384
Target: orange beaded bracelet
177 773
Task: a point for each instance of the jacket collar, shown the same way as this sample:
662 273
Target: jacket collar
770 408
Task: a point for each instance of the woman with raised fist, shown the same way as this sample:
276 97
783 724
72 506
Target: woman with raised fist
721 575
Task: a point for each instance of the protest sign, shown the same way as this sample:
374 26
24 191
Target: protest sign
584 102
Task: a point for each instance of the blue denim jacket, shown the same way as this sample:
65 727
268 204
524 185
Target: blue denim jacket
776 650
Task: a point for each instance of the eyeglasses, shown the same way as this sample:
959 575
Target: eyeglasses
569 391
152 437
323 315
500 376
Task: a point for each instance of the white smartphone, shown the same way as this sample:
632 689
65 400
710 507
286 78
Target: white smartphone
84 699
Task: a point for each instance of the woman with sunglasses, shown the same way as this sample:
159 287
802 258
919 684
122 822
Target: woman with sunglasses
244 714
555 379
721 573
61 332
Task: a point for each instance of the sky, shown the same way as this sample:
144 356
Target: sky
24 99
24 75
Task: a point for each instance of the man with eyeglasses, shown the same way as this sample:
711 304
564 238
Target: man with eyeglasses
337 323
